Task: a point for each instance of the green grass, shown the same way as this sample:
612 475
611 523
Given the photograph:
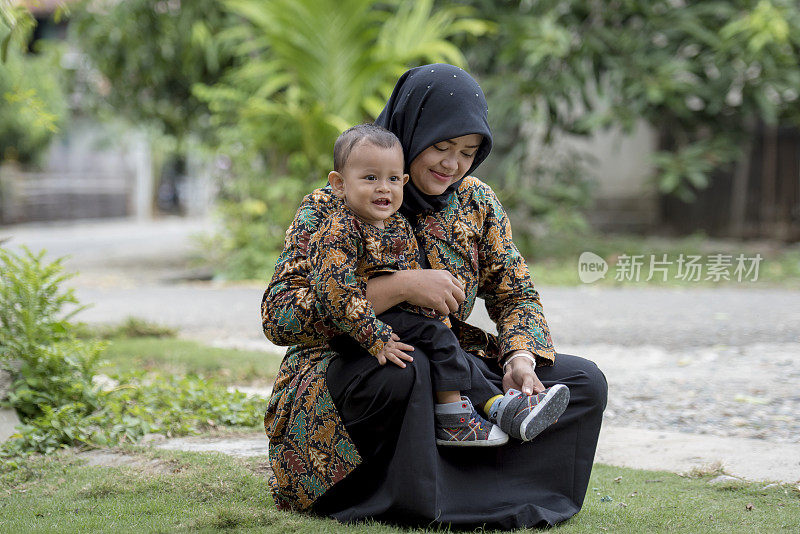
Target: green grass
555 261
179 491
176 491
179 356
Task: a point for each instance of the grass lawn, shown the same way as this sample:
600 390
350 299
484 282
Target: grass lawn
179 356
555 261
151 490
170 491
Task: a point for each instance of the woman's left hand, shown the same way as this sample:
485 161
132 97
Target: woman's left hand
520 375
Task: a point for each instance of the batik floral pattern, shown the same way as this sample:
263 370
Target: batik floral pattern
344 253
471 238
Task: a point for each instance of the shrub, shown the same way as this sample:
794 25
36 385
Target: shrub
57 392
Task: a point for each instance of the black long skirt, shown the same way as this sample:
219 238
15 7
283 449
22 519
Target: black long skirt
407 479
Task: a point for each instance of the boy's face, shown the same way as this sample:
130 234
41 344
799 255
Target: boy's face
371 181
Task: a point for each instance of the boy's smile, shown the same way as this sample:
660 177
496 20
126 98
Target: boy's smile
371 181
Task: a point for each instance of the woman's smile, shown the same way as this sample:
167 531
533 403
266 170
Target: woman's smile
444 178
444 163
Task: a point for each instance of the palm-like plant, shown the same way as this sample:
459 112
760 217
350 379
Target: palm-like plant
314 68
319 66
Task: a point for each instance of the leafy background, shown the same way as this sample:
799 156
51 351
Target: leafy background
263 88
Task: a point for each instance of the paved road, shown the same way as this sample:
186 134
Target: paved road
669 318
124 265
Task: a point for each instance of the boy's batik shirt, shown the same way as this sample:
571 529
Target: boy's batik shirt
343 254
309 447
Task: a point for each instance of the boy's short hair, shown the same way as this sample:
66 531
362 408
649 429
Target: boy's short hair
377 135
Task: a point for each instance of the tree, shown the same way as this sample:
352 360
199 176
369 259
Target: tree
33 103
308 70
700 72
148 55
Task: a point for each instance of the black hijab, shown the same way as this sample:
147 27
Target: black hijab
430 104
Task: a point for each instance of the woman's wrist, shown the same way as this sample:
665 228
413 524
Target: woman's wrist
402 282
519 357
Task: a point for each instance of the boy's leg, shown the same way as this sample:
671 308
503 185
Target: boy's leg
449 368
441 344
457 421
486 381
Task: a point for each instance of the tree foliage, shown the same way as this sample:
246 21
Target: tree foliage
147 56
33 104
700 72
312 69
16 26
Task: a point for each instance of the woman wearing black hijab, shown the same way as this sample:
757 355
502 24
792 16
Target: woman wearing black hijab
352 439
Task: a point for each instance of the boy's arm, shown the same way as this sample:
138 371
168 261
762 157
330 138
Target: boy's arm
333 254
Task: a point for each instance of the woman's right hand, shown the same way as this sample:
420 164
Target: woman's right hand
434 288
437 289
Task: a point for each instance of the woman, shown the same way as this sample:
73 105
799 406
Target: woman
352 439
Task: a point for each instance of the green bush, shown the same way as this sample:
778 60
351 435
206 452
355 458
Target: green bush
33 104
57 392
56 369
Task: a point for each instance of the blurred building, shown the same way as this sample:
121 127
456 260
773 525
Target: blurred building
95 170
758 198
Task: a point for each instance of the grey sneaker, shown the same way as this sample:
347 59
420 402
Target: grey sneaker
525 416
458 424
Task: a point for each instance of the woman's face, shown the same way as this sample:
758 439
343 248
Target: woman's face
443 163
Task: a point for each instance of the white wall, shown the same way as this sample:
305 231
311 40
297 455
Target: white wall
623 167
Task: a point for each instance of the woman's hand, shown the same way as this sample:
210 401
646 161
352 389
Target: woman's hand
520 375
429 288
434 288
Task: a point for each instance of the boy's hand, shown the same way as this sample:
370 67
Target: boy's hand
393 352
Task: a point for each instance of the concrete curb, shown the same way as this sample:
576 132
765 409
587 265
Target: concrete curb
678 452
637 448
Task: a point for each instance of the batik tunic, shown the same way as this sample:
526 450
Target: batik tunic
310 449
343 254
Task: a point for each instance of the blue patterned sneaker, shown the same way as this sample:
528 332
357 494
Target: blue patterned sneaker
458 424
525 416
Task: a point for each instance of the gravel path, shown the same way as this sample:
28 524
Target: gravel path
749 391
